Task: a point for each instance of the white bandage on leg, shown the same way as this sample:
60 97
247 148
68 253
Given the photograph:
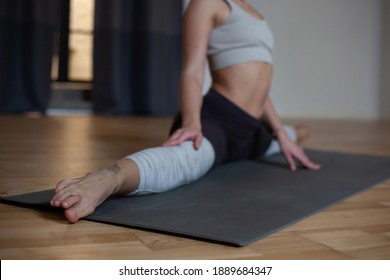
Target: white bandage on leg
274 148
164 168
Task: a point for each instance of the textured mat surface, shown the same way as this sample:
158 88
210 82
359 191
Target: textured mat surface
242 202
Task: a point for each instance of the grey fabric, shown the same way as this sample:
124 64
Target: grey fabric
242 202
240 38
165 168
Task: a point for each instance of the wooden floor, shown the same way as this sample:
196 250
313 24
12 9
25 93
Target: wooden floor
37 152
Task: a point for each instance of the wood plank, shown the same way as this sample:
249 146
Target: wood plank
35 153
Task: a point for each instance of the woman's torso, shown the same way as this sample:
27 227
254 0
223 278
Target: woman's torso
246 82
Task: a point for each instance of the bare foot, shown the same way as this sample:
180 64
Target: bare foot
303 132
80 197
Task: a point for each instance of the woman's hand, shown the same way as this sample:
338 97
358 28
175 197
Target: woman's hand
292 151
185 134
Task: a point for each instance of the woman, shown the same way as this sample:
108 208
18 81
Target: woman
223 126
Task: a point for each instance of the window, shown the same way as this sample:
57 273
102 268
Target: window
72 60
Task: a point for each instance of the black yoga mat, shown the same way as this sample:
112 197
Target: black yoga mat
241 202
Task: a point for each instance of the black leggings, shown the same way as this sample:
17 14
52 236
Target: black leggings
234 134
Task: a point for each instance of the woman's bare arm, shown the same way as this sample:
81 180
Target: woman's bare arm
198 23
291 150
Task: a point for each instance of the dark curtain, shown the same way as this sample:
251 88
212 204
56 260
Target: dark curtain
137 56
26 42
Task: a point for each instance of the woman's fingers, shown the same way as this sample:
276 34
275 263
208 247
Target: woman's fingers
291 161
309 164
306 162
181 135
198 141
292 152
175 139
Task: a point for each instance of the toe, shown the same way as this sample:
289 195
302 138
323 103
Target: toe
62 196
71 215
64 183
70 201
78 211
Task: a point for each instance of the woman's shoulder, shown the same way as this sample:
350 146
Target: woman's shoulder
207 9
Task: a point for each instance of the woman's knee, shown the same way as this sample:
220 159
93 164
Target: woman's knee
165 168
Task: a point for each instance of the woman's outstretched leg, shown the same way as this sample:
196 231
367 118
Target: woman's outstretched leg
149 171
80 197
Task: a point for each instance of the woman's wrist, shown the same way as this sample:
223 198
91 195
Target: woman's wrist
193 122
278 130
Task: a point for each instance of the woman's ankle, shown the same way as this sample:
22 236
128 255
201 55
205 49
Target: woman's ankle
303 132
127 176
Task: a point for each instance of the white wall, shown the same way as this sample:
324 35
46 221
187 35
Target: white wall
327 62
327 57
385 93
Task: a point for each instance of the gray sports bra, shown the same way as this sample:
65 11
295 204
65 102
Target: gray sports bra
241 38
